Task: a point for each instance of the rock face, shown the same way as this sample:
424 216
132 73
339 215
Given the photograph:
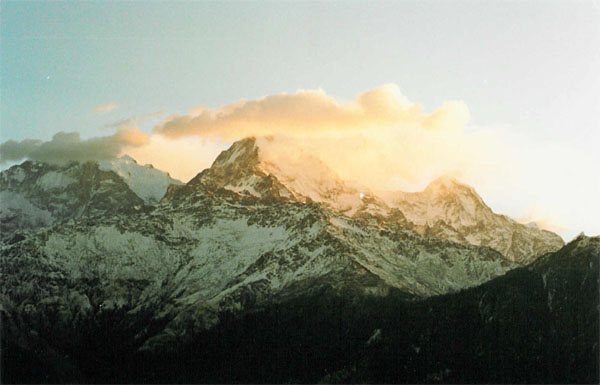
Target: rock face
36 194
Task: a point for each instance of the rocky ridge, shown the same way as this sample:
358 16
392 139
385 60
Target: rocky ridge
145 181
446 209
35 194
211 253
451 210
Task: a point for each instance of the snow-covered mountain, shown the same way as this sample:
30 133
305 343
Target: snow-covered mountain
88 243
145 181
446 209
246 169
451 210
205 252
100 299
35 194
255 207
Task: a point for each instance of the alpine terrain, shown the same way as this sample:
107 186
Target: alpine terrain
268 268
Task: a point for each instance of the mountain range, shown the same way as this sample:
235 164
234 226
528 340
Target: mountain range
109 267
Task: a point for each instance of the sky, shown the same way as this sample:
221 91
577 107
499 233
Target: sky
504 95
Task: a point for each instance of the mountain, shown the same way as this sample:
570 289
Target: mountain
145 181
214 251
35 194
536 324
246 169
267 250
451 210
446 209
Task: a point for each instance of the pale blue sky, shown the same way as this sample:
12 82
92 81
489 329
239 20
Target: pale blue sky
527 63
531 66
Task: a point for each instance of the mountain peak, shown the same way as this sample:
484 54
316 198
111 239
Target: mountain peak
233 165
444 180
448 202
447 208
147 182
128 159
243 151
238 169
267 168
446 184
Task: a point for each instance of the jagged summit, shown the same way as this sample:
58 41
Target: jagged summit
244 151
446 184
127 158
147 182
446 208
443 182
233 165
252 167
239 169
34 195
259 169
445 199
449 209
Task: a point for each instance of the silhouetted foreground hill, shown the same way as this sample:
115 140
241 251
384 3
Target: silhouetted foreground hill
537 324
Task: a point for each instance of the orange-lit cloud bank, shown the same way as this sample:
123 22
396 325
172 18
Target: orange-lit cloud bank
313 112
384 141
380 139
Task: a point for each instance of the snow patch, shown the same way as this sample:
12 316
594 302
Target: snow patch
14 204
147 182
246 184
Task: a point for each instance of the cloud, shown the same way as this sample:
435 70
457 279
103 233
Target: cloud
133 121
543 218
13 150
103 108
390 158
380 139
517 174
68 146
387 142
183 158
313 112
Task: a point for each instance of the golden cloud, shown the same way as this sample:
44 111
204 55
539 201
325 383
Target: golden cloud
380 139
310 112
543 218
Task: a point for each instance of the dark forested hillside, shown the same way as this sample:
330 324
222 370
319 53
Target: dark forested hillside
537 324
